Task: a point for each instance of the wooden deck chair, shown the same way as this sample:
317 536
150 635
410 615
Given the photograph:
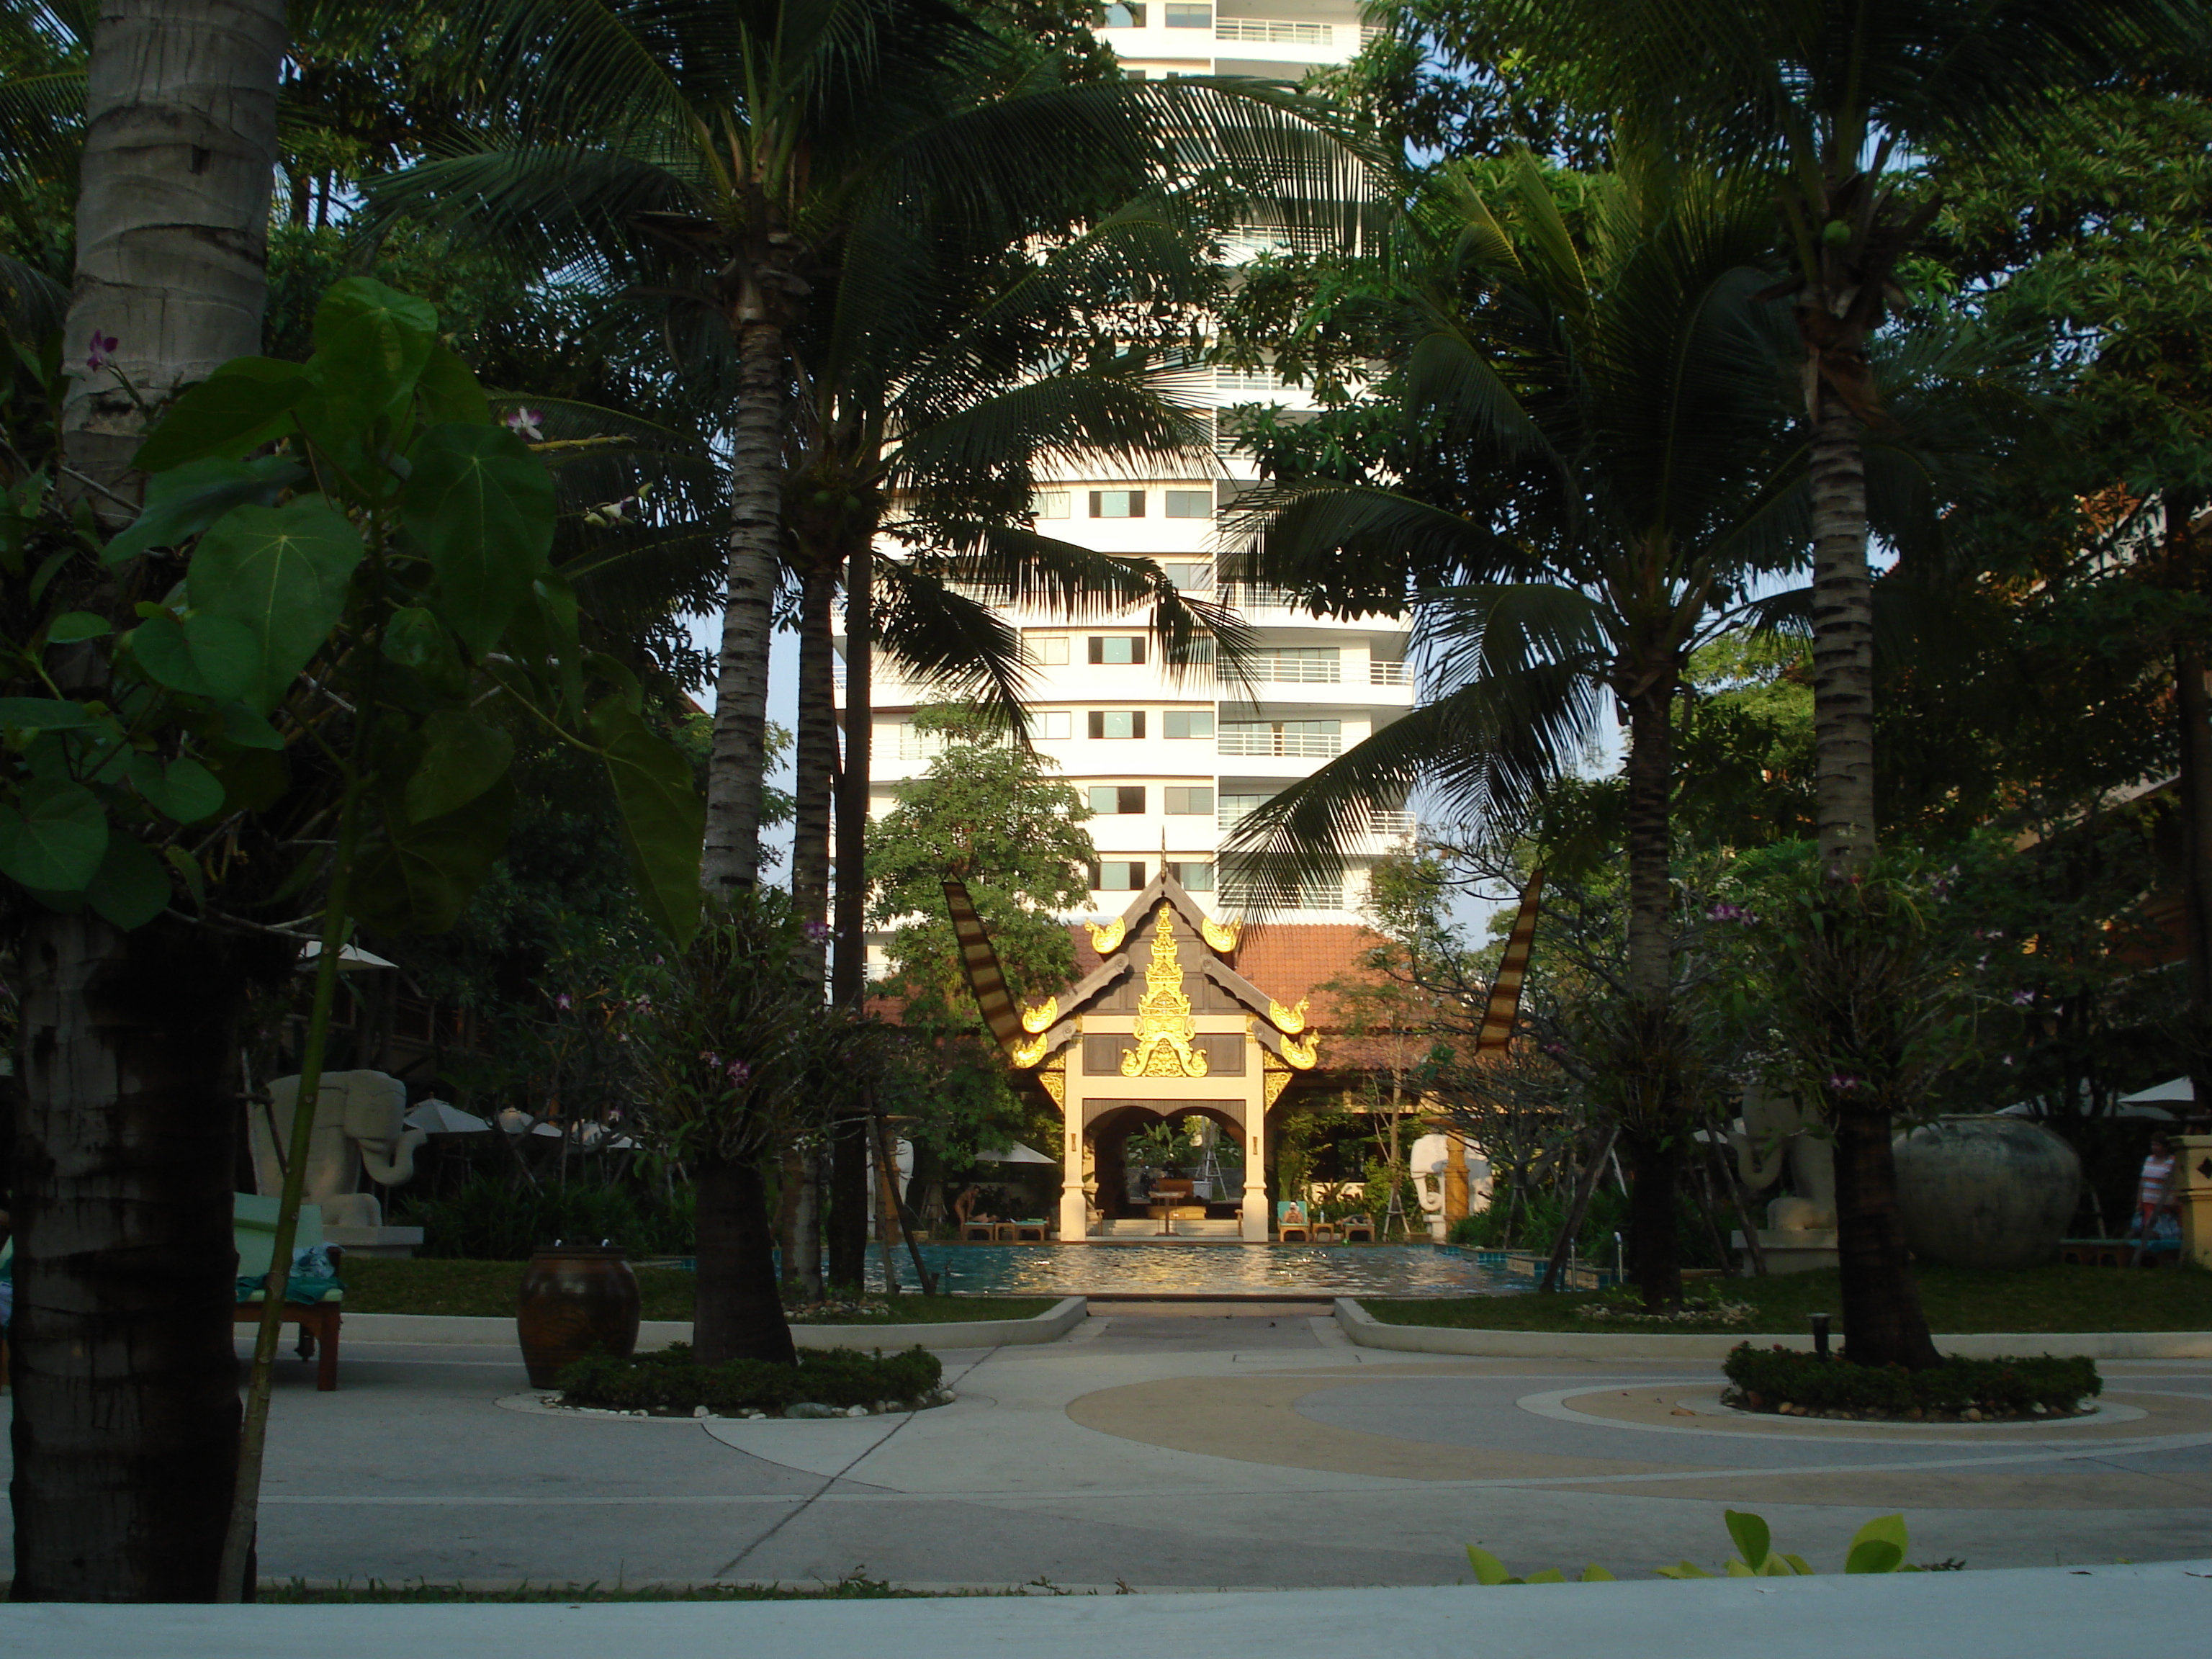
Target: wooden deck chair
253 1229
1357 1229
977 1232
1030 1232
1291 1224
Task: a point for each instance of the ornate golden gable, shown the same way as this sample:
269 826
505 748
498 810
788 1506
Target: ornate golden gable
1164 1026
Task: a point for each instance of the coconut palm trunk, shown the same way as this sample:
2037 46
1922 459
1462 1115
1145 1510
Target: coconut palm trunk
1842 634
1650 1133
2195 708
737 771
814 759
126 1413
173 208
742 1318
848 985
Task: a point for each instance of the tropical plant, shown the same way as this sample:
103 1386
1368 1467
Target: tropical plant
737 1055
1877 1546
1600 479
733 157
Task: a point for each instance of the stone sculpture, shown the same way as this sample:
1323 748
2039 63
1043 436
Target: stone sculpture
1772 1140
360 1127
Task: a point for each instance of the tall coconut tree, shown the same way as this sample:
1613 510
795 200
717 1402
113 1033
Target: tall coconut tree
719 154
1846 101
1596 477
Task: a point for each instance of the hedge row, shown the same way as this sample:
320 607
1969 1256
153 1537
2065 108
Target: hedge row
2007 1386
667 1380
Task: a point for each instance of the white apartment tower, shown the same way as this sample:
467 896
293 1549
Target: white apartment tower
1169 765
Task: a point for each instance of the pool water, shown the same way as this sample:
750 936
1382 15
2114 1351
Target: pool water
1188 1269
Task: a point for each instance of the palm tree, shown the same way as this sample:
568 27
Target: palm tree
1840 101
1605 417
730 157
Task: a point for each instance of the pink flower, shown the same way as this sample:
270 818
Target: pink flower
817 931
738 1072
102 345
563 1000
1842 1083
2023 999
528 424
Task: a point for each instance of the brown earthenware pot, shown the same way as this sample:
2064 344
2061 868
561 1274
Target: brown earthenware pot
577 1300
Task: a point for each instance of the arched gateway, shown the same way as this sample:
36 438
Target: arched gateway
1163 1027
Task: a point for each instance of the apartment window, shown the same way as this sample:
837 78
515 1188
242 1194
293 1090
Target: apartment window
1117 650
1308 738
1189 575
1117 798
1117 876
1181 15
1049 503
1196 875
1251 895
1185 800
1125 14
1117 722
1188 722
1117 503
1229 811
1045 650
1189 503
1048 724
1309 663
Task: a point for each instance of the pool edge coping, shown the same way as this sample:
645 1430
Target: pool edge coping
486 1330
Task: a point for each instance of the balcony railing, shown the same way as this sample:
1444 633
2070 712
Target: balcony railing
1260 895
1246 379
1388 674
1265 740
1382 822
1298 671
1276 31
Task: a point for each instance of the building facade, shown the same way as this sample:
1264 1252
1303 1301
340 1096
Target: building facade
1169 765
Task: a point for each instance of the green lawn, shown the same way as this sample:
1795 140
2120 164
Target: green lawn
437 1286
1958 1301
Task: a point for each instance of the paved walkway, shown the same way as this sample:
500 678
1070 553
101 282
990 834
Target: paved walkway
1195 1447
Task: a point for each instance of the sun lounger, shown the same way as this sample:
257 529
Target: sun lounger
1291 1226
1030 1232
1357 1228
977 1232
253 1228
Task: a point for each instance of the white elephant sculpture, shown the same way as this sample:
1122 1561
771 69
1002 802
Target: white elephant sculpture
359 1125
1772 1136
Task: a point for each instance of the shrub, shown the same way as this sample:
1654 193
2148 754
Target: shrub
1770 1377
667 1380
487 1219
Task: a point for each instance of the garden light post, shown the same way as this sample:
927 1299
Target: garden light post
1820 1321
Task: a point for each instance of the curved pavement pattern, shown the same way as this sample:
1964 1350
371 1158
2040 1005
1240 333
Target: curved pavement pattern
1189 1446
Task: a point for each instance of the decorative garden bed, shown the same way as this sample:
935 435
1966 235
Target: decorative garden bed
1788 1383
826 1382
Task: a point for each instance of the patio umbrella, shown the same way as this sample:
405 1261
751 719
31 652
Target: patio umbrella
442 1117
1015 1153
2172 1091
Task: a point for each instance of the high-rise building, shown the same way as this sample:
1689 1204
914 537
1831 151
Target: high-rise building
1169 764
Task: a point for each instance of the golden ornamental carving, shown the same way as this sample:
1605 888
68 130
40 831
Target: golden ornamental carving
1041 1017
1290 1021
1107 939
1055 1078
1302 1054
1221 935
1026 1055
1274 1077
1164 1028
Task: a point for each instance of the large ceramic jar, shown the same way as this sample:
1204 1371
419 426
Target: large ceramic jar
1985 1192
576 1300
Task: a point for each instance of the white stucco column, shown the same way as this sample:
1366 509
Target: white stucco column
1253 1222
1074 1214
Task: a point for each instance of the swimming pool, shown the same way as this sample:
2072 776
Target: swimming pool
1188 1269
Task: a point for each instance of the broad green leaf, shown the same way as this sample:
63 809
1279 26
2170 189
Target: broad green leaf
74 625
372 342
462 757
480 506
418 642
1549 1576
42 714
1751 1536
1798 1564
160 647
1593 1574
226 653
561 644
54 840
1774 1567
1736 1569
625 681
450 392
131 886
184 789
1488 1569
240 407
1682 1569
282 573
420 877
664 820
188 867
185 499
242 726
1878 1546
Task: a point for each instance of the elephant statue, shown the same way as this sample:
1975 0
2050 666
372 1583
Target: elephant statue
359 1125
1773 1138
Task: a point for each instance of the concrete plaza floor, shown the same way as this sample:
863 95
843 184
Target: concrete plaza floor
1190 1446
